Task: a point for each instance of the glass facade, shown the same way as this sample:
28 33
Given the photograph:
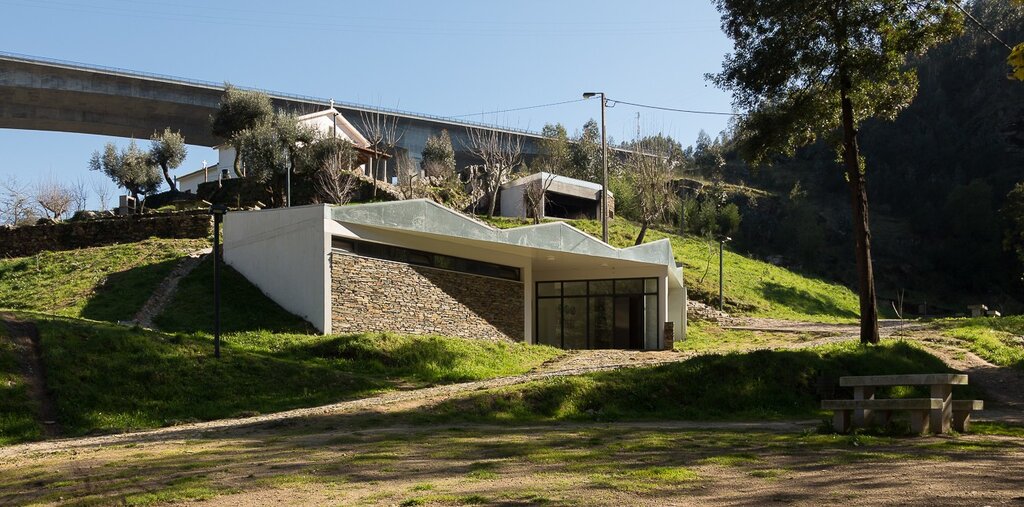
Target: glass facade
598 314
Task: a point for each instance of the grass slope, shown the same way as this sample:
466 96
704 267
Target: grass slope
243 306
756 385
997 340
17 413
102 283
752 287
111 378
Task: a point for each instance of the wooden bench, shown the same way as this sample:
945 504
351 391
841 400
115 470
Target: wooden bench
938 408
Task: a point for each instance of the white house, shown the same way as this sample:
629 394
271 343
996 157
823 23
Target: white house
563 197
417 267
328 122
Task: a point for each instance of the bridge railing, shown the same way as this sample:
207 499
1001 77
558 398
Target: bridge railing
5 55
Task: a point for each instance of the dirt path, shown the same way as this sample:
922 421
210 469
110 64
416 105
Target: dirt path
574 363
25 337
165 291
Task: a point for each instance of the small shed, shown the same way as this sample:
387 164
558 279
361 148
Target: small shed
563 197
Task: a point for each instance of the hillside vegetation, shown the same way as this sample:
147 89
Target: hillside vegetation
752 287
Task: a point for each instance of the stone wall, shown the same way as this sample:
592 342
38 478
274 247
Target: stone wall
31 239
372 295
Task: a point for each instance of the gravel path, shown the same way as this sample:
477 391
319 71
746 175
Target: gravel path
165 291
25 338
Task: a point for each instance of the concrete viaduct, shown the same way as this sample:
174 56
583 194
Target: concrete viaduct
41 94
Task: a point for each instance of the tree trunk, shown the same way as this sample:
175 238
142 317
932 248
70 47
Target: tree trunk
237 163
167 176
494 200
861 230
643 232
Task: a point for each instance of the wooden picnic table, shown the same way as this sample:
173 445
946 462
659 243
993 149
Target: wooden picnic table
934 413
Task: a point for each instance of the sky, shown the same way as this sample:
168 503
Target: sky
445 58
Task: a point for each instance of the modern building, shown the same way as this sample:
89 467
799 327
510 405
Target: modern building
560 196
328 122
417 267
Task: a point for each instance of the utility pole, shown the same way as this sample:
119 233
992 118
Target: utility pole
604 162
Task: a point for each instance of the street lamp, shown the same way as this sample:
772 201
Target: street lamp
218 211
604 162
722 240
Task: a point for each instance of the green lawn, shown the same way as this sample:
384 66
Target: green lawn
243 307
752 287
17 413
997 340
107 283
109 378
736 386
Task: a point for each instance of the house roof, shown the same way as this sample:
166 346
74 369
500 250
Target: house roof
428 217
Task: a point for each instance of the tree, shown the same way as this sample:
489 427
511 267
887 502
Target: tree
16 206
438 157
807 69
271 149
500 152
168 151
708 156
129 168
534 195
585 153
383 134
79 194
1013 214
553 150
650 173
330 161
239 110
103 193
54 198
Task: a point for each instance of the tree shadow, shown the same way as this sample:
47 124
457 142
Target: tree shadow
122 294
802 301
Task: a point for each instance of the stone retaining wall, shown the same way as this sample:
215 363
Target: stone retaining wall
32 239
372 295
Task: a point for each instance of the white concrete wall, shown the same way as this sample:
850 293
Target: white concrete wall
512 204
284 252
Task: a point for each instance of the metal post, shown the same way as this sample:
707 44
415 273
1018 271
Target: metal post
604 176
217 210
721 277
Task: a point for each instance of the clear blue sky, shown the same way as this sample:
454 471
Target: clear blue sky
445 58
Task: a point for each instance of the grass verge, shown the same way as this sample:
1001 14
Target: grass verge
108 378
997 340
17 413
737 386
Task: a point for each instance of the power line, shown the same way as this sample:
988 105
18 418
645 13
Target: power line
662 108
983 27
538 106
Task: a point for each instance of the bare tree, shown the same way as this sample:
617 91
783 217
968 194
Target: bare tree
383 133
500 153
54 198
79 194
333 178
16 206
649 171
410 183
103 193
534 196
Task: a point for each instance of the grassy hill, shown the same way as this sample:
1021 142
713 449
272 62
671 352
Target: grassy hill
106 377
103 283
752 287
